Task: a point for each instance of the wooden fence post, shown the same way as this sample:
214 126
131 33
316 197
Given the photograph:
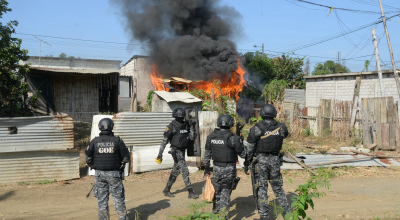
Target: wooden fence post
355 102
212 99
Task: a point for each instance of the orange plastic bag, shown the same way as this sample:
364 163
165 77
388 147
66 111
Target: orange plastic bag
208 192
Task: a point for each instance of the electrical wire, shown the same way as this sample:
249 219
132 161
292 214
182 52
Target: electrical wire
346 9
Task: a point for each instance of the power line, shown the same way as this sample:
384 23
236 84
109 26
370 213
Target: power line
338 35
66 38
344 9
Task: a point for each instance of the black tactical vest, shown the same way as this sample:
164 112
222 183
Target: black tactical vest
222 154
181 138
107 155
270 144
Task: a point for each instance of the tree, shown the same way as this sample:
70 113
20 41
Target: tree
62 55
329 67
14 100
366 64
71 57
261 70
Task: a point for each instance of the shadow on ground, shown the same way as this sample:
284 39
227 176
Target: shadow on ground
197 188
6 195
148 209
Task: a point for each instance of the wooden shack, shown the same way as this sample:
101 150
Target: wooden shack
80 88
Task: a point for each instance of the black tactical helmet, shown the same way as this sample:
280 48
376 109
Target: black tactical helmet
268 111
225 121
178 113
106 124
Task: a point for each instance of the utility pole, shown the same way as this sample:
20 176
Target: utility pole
396 76
40 53
262 53
378 61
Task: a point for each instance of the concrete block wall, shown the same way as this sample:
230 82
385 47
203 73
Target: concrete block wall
139 67
341 87
65 63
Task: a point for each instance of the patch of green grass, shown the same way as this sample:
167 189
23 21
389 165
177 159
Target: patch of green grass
82 164
42 182
22 183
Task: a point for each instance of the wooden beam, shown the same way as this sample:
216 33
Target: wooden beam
301 164
355 101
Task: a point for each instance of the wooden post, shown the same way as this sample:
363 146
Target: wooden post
291 114
134 98
397 127
212 99
396 76
355 102
378 62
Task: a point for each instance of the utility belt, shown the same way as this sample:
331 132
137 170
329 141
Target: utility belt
225 184
221 164
269 154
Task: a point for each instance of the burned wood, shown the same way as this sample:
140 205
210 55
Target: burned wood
301 164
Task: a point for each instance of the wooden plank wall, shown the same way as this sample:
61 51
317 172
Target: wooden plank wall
382 113
76 95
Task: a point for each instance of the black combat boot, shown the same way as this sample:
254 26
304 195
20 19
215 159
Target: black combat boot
192 195
167 192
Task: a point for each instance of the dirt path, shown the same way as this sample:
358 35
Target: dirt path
350 197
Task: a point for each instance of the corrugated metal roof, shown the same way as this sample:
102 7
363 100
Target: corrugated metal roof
40 165
79 71
37 133
178 97
141 128
363 160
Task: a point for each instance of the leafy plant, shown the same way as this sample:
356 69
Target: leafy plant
255 120
150 98
199 215
23 183
307 132
14 98
306 193
42 182
275 90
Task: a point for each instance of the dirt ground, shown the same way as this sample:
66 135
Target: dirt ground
356 193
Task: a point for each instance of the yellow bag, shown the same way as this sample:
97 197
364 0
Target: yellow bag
208 192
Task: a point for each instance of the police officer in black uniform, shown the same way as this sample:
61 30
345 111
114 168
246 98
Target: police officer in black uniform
179 133
223 147
265 142
107 154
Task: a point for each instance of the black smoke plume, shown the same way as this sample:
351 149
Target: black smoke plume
187 38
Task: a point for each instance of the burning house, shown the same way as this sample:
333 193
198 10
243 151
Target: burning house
188 44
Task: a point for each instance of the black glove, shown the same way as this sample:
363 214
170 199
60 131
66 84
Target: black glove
207 171
122 166
159 157
246 169
192 123
89 161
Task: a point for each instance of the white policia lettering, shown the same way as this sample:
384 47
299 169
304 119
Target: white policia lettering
105 144
184 131
217 141
267 133
107 150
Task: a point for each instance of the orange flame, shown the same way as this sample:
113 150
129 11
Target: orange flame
231 84
157 81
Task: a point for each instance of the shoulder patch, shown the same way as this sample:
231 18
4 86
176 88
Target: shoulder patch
167 129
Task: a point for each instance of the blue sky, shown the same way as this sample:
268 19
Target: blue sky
282 25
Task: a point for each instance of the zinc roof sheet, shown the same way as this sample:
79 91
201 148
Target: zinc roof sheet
78 71
178 97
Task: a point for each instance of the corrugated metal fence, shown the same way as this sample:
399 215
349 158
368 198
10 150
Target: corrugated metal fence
294 95
141 128
37 148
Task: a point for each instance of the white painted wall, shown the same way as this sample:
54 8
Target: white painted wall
342 88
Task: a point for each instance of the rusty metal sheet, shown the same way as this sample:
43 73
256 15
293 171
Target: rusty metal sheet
364 160
36 133
38 165
141 128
